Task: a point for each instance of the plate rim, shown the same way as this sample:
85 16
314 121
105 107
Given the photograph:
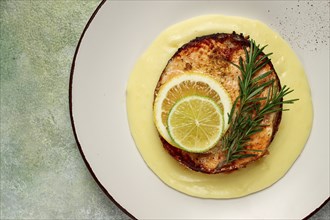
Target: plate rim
72 71
90 169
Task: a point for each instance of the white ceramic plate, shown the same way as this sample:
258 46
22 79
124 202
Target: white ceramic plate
116 35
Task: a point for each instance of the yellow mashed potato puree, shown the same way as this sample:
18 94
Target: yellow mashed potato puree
288 143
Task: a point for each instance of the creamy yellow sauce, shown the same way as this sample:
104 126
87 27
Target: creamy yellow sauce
289 141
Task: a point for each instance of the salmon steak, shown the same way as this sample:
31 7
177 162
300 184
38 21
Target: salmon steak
214 55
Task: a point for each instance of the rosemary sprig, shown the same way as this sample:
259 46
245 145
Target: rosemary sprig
246 119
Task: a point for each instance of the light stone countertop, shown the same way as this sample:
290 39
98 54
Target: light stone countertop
43 175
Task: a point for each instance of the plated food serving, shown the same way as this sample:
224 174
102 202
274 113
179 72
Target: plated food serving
114 88
205 105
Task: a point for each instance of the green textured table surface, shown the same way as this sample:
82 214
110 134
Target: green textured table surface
42 173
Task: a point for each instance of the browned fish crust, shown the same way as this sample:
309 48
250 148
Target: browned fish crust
211 55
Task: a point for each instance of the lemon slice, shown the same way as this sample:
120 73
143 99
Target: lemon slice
195 124
184 85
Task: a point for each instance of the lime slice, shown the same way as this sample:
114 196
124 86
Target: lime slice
184 85
195 124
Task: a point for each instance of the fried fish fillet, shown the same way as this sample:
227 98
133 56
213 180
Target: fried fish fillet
212 55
